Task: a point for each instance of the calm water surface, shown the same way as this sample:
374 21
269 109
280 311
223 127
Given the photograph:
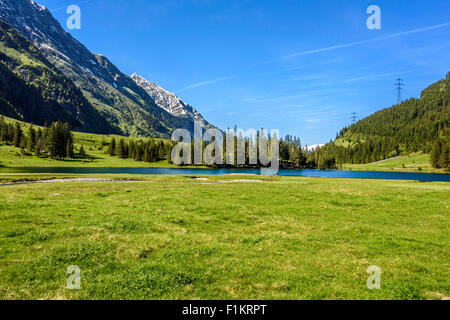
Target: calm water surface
283 172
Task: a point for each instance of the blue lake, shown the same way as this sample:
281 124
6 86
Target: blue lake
283 172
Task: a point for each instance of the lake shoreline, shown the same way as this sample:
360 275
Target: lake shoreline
352 174
3 167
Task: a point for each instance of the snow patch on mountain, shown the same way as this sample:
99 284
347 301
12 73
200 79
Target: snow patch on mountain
38 6
313 147
168 100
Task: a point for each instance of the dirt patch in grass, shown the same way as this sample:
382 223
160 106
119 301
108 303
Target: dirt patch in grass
67 180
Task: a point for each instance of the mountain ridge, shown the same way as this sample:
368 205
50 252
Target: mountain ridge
168 100
33 90
125 105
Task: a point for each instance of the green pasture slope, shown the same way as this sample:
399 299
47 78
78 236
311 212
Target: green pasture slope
415 162
175 237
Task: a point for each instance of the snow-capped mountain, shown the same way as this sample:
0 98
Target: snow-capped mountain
168 100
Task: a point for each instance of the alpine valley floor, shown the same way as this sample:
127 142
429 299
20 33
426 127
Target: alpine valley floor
177 237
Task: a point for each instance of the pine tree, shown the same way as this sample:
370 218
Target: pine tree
3 129
321 163
68 140
131 150
69 147
436 154
139 152
147 157
46 138
444 159
162 152
82 152
121 149
18 135
58 140
31 139
112 147
38 146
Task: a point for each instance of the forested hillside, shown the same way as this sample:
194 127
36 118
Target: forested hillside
414 125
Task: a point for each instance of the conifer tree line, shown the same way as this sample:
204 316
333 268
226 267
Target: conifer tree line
153 150
440 155
291 154
148 150
55 141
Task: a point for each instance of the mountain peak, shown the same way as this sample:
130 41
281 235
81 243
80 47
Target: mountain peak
168 100
38 6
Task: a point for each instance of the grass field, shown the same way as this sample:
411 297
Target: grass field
416 162
176 237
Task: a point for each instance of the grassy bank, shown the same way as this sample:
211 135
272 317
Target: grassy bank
416 162
177 237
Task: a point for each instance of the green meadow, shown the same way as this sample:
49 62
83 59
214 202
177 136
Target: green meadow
224 237
415 162
219 237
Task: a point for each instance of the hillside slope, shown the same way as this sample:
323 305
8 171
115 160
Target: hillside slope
33 90
116 96
412 126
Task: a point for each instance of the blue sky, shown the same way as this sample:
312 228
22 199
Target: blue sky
299 66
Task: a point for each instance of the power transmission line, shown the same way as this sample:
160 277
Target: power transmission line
399 85
354 117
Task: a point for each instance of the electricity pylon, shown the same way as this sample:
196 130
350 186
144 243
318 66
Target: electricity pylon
399 87
354 117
